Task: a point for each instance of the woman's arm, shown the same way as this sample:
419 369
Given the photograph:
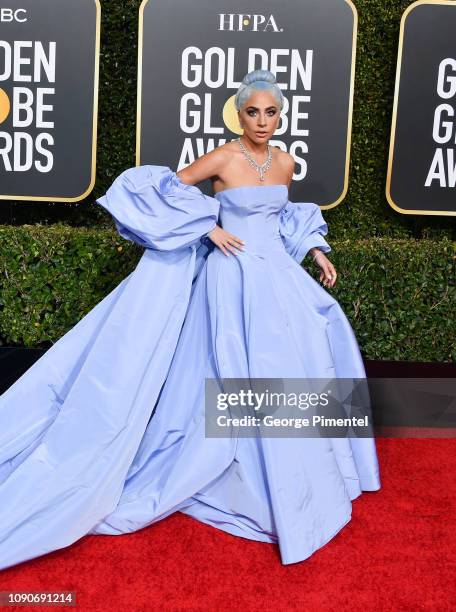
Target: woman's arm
289 164
328 272
204 167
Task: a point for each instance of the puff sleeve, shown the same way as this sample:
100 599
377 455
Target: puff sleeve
301 227
151 206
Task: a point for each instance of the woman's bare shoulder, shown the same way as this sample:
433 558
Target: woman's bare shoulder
225 151
287 162
283 156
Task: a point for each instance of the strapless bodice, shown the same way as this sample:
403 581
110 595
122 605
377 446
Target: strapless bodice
252 214
154 208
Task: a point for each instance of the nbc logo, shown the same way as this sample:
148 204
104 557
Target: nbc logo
8 14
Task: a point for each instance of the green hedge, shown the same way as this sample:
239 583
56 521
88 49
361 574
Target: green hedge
52 276
399 294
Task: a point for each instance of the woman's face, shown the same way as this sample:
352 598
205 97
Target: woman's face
259 116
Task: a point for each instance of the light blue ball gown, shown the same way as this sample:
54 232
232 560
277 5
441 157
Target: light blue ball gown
79 451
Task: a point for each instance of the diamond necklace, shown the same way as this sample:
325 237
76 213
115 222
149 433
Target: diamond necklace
261 169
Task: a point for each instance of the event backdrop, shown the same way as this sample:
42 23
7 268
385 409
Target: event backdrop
191 58
396 271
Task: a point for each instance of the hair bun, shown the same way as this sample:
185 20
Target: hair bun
258 80
259 75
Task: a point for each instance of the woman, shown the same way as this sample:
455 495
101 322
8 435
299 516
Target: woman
259 113
105 434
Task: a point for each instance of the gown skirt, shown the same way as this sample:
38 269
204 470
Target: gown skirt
105 433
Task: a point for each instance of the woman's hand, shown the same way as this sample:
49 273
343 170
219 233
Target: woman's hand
225 241
328 272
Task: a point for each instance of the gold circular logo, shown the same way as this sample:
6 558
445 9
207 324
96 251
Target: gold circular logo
5 105
230 116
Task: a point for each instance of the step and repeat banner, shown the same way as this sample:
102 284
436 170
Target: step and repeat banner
49 52
192 57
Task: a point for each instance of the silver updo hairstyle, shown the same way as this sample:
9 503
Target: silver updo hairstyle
254 81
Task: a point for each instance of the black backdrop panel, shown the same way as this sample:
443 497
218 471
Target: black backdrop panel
422 164
48 84
195 54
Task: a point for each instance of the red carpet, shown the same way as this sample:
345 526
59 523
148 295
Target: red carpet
397 553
